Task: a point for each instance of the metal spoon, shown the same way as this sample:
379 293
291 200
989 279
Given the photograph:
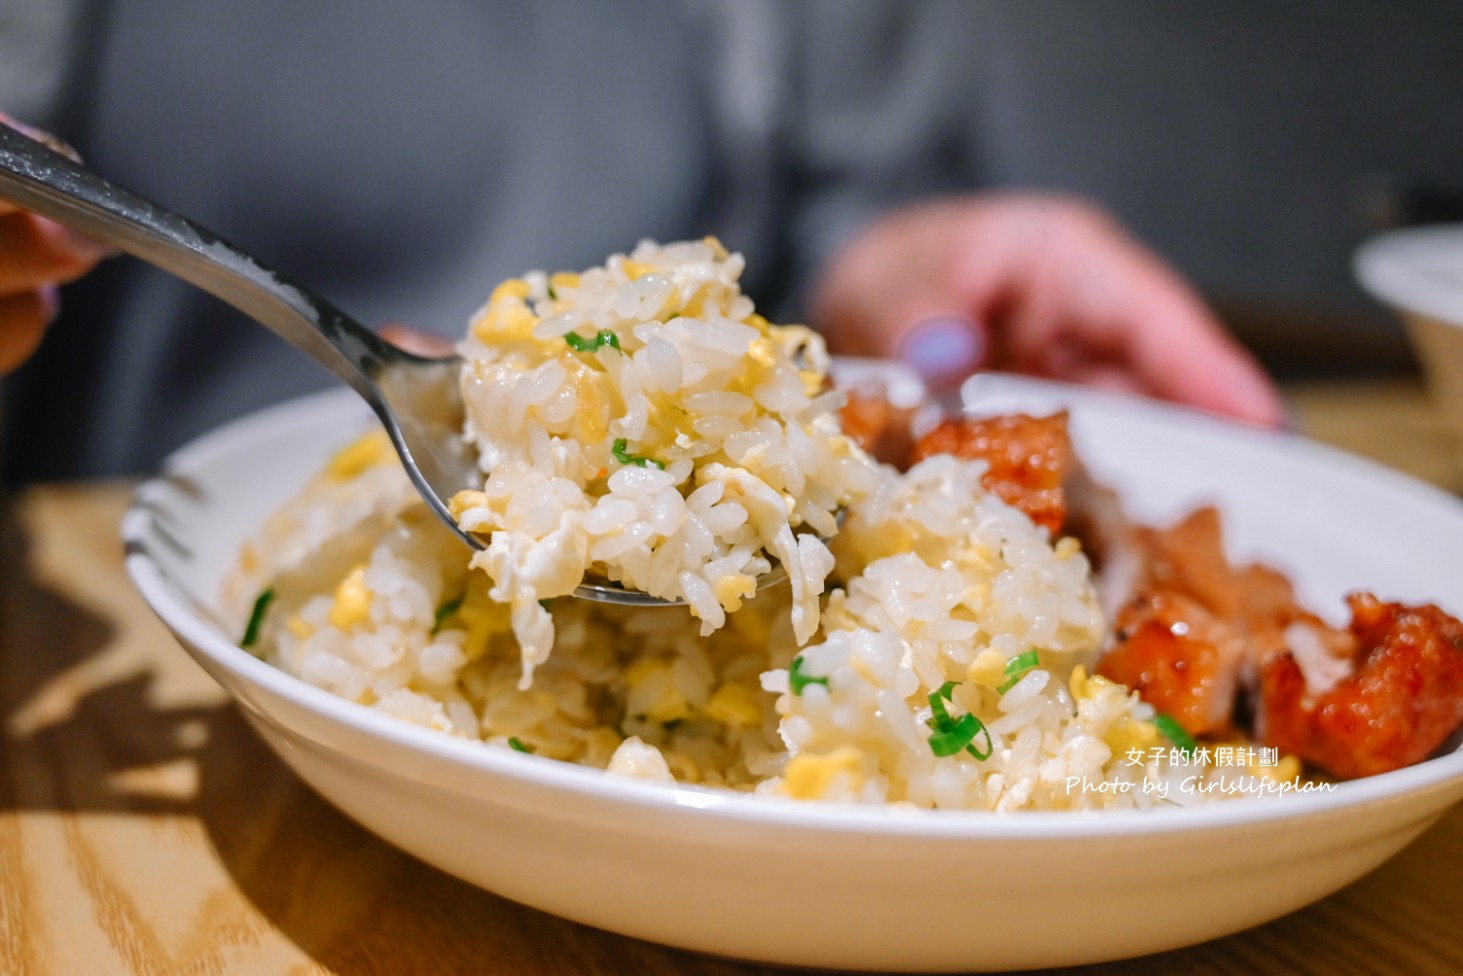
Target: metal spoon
416 399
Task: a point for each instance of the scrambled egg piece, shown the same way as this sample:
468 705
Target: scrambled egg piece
988 669
636 269
1066 547
562 281
1126 734
653 692
730 591
483 618
735 704
367 451
507 315
352 600
809 777
464 500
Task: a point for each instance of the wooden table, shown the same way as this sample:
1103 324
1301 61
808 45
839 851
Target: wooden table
143 829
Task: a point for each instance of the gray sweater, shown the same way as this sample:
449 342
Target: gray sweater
402 158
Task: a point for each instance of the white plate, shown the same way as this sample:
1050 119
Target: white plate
842 886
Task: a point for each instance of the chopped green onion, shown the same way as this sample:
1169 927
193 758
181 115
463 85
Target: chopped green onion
445 611
604 337
1174 732
256 617
624 457
797 681
1016 669
517 744
951 735
549 290
941 719
1022 663
990 746
956 736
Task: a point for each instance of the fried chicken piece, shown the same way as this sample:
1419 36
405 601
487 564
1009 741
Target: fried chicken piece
1402 699
1180 658
1189 557
1029 459
1199 637
879 427
1195 631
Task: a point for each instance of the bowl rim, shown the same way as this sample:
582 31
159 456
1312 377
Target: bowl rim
202 638
1391 268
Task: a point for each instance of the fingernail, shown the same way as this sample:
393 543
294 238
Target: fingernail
44 138
1255 397
943 349
51 299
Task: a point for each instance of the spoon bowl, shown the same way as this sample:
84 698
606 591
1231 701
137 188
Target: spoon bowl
416 398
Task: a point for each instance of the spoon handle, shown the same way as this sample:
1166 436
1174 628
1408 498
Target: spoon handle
45 182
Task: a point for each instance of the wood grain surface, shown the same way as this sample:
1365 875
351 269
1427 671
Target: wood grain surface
143 828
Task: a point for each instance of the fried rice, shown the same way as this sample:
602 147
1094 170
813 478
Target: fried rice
640 423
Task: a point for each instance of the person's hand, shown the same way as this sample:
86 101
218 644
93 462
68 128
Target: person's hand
36 257
1041 285
418 342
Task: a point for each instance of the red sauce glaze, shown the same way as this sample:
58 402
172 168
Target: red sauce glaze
1403 698
1029 459
1179 657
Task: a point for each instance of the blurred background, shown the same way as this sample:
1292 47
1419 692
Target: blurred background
401 159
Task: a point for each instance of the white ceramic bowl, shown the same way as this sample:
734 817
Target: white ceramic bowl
841 886
1419 273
